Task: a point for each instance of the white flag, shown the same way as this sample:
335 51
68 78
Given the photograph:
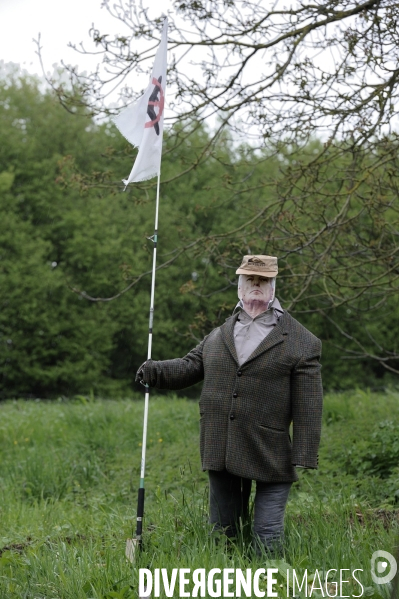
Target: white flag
142 122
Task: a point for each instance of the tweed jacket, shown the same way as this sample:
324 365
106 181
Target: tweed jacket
246 411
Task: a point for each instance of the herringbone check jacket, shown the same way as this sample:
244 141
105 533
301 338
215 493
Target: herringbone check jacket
246 410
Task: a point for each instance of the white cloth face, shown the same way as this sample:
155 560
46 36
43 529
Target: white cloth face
255 288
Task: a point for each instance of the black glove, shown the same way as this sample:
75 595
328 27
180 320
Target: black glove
140 374
143 375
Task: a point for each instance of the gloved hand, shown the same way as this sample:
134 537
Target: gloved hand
143 375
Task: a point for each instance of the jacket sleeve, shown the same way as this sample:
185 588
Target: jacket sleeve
307 406
174 374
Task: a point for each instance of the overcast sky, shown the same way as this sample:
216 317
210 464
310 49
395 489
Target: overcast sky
58 22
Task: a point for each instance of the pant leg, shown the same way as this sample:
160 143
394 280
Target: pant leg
270 503
228 500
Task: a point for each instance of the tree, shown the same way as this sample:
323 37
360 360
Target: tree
49 343
59 232
311 86
65 226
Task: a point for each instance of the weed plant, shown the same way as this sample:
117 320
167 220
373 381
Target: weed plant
69 475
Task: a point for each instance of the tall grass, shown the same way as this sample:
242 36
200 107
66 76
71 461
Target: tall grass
69 474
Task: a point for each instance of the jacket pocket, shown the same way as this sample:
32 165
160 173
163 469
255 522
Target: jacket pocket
272 428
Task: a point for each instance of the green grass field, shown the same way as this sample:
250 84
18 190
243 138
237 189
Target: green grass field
69 474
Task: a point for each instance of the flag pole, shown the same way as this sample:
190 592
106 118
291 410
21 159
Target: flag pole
132 544
140 502
147 135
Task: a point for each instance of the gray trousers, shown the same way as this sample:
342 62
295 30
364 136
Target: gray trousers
229 500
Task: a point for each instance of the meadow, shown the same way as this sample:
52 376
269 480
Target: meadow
69 474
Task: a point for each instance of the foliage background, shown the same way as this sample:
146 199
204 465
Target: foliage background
66 224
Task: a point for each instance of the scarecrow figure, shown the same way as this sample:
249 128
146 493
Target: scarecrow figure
261 372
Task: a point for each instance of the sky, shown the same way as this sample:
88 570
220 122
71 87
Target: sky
59 22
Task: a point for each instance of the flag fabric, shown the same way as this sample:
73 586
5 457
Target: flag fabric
142 122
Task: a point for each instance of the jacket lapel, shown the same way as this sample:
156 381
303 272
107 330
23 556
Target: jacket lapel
277 335
227 330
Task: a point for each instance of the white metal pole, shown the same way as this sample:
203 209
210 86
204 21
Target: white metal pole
140 502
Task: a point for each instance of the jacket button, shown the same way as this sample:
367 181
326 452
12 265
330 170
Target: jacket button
235 395
232 416
239 373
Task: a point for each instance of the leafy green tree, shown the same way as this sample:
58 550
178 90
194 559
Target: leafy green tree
279 77
49 342
71 235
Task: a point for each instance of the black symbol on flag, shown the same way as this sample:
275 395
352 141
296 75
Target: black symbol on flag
155 101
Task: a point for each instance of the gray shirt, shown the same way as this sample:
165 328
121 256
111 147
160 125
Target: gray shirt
249 332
